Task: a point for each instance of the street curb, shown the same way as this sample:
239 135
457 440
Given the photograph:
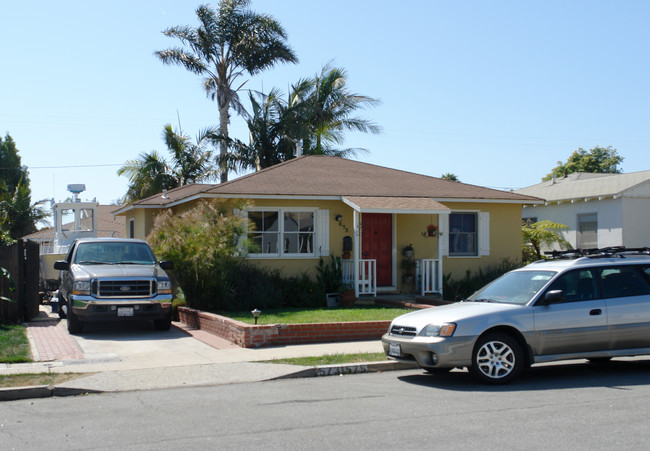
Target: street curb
41 391
339 370
48 391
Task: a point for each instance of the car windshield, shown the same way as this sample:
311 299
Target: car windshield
517 287
114 253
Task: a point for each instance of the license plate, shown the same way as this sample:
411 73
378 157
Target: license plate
125 311
394 350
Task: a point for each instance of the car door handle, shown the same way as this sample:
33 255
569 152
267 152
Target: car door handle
595 312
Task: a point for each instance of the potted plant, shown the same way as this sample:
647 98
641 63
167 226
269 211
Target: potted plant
432 230
348 298
408 251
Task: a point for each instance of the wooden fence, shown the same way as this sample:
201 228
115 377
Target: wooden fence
21 260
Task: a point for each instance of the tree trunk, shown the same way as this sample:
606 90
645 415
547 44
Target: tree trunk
223 146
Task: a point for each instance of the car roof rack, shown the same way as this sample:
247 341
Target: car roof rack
605 252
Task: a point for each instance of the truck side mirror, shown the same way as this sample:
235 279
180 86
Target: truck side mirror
61 265
166 265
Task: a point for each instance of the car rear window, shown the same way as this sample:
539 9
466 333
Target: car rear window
623 281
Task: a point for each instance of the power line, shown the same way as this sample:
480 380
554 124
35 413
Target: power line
76 166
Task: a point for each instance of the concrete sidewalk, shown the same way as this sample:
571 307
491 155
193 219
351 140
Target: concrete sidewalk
184 358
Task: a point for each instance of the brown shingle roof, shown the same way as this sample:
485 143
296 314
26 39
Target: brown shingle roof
332 176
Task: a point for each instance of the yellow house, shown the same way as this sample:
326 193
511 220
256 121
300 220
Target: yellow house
370 215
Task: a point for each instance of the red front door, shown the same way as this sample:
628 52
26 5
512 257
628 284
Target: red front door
377 243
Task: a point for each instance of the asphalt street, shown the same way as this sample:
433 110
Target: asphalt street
570 406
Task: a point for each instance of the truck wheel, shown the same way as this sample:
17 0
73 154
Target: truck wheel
163 324
74 325
497 359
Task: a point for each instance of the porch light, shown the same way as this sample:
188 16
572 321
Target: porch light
338 218
256 314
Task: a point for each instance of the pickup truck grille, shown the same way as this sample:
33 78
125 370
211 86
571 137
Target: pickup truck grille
142 288
403 331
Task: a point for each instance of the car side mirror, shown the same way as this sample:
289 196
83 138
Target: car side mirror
166 265
554 296
61 265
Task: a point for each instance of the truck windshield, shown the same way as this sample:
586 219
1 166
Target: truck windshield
517 287
114 253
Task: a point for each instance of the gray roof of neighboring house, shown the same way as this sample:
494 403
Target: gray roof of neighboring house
332 176
581 185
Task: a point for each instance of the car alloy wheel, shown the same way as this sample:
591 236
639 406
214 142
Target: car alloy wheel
497 359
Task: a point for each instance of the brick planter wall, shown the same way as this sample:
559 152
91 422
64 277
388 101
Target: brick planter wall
250 336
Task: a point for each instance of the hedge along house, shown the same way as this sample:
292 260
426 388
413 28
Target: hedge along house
316 206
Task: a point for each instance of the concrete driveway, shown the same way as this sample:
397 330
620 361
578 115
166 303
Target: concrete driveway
136 345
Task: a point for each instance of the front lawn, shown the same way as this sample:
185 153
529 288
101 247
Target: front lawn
333 359
14 346
329 315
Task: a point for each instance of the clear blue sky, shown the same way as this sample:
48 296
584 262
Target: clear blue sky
495 92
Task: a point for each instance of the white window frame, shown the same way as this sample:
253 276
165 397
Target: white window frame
317 241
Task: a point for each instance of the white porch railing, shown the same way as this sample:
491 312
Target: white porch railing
427 272
367 275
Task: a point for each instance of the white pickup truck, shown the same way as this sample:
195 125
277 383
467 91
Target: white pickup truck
114 279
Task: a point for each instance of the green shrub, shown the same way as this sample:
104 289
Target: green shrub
330 274
455 290
206 246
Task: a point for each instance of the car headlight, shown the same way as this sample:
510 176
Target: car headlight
164 287
82 287
438 330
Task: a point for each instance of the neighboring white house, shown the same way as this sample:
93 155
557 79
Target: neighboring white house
600 210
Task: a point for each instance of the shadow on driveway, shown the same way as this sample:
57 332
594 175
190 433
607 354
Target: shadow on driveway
136 330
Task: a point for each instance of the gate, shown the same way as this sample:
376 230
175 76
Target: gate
21 261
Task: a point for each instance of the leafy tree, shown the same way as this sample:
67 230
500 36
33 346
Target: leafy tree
596 160
18 216
229 42
11 170
541 235
151 172
450 176
202 243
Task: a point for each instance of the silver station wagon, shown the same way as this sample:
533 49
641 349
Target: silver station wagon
591 304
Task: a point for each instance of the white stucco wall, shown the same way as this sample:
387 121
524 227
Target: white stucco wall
636 222
609 212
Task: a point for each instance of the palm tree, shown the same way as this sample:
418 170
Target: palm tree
328 108
148 175
268 142
314 116
189 163
228 42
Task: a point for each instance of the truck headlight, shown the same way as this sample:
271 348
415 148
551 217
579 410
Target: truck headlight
81 288
164 287
438 330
